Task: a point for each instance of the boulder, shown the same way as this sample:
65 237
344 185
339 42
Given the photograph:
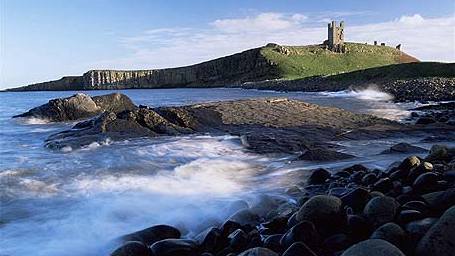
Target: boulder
245 217
373 247
326 212
440 200
304 231
132 248
356 198
323 155
391 233
210 239
258 251
175 247
409 163
417 229
402 148
439 240
79 106
299 249
318 176
153 234
426 182
380 210
238 239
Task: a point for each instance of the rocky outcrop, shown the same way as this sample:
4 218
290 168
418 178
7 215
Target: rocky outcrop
265 125
246 66
79 106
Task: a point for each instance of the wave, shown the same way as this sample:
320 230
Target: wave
372 93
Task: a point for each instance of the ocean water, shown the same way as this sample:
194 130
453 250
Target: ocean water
78 202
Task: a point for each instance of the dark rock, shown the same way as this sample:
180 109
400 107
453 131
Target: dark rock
304 231
383 185
439 153
337 242
273 243
373 247
175 247
440 200
153 234
318 176
414 173
402 148
358 227
426 182
355 168
380 210
299 249
415 205
391 233
356 198
409 163
325 212
210 240
425 120
417 229
277 225
80 106
439 240
238 239
322 155
356 177
245 217
229 226
258 251
132 248
369 179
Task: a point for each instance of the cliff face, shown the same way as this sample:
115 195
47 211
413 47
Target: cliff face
238 68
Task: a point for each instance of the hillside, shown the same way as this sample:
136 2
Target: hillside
305 61
254 65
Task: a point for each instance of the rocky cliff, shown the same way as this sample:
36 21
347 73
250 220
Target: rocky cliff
246 66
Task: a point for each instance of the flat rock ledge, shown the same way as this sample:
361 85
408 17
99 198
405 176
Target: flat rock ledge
269 125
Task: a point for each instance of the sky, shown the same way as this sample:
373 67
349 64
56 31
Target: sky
47 39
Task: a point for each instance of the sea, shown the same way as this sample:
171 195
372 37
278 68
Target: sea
79 202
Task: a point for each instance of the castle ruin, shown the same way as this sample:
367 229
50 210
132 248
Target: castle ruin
335 41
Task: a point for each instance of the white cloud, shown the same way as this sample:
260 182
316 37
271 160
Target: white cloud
425 38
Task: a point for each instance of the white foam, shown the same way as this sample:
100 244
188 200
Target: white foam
34 120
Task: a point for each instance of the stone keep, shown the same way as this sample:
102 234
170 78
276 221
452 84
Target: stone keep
335 40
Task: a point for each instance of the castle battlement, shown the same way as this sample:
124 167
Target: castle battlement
335 41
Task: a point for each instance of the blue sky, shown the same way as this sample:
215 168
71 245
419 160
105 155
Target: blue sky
47 39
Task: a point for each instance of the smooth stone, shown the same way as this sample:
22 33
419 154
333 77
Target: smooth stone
305 232
318 176
175 247
336 242
238 239
356 198
391 233
132 248
323 155
383 185
358 227
380 210
369 179
415 205
258 251
245 217
210 239
276 225
153 234
426 182
299 249
440 200
373 247
406 216
439 240
325 212
355 168
438 153
273 242
417 229
402 148
409 163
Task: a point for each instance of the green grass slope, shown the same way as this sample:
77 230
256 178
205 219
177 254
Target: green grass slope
314 60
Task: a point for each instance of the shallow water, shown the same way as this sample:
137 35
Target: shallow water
76 202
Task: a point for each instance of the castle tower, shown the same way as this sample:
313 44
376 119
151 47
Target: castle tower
335 40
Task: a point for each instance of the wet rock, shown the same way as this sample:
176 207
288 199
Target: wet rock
440 200
425 120
439 240
153 234
318 176
336 242
438 153
79 106
304 231
369 179
402 148
409 163
358 227
383 185
299 249
245 217
322 155
391 233
415 205
238 239
175 247
324 211
210 239
356 198
418 228
373 247
414 173
381 210
132 248
276 225
426 182
273 242
355 168
258 251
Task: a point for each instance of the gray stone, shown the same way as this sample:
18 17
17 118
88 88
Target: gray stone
439 240
381 210
391 233
373 247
